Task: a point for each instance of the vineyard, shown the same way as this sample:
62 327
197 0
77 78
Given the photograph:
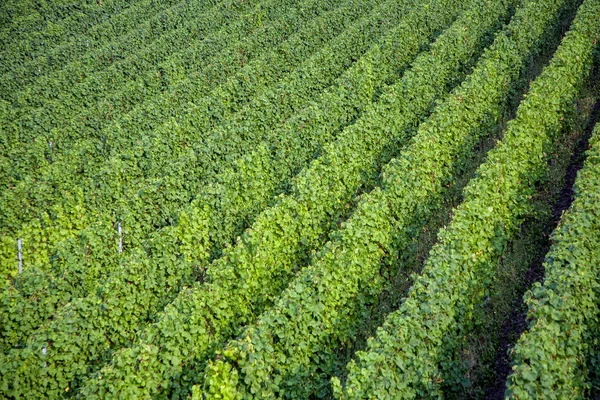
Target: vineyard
300 199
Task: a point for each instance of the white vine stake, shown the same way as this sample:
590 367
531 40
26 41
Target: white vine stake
19 247
120 237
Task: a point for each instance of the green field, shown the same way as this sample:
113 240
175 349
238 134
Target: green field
300 199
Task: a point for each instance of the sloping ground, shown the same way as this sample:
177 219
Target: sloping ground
223 199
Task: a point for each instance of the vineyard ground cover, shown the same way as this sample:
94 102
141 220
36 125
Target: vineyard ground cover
128 346
80 313
77 147
416 349
415 255
61 178
90 91
288 349
524 261
284 232
23 301
412 259
563 300
107 144
485 351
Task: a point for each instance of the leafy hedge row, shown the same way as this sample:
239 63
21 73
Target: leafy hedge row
31 197
22 298
79 100
279 242
291 350
549 360
108 319
406 359
72 42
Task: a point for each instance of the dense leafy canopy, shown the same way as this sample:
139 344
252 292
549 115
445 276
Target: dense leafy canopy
210 199
406 359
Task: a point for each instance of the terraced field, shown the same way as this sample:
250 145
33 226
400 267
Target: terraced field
237 199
